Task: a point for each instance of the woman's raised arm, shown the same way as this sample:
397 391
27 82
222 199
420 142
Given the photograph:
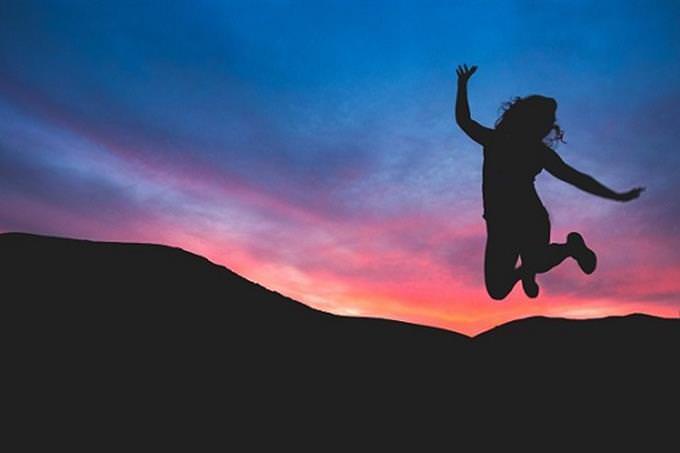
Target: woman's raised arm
472 128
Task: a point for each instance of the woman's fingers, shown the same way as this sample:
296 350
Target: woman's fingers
633 193
465 72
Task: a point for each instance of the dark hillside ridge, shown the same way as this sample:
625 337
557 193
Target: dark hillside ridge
156 334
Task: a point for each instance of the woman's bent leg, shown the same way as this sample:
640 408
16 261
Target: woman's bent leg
500 258
538 254
547 257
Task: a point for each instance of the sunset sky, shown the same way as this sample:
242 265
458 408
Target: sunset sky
311 147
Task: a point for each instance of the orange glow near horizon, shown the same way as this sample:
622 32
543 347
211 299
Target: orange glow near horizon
438 301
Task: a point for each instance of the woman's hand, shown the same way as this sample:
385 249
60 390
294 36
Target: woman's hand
464 73
631 194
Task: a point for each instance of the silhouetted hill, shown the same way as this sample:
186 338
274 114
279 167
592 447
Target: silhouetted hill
144 289
628 330
163 336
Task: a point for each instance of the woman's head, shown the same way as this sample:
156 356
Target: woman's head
531 117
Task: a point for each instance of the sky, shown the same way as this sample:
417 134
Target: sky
310 146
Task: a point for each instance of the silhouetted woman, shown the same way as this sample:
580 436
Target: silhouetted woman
517 224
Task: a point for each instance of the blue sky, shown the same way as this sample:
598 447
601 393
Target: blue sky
296 134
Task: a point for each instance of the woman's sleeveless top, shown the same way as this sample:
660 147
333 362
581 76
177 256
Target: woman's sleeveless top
510 168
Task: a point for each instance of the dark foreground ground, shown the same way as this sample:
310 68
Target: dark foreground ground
109 342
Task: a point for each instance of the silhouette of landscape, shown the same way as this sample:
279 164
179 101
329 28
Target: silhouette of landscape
100 329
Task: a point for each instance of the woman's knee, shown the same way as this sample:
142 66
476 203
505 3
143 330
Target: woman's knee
498 290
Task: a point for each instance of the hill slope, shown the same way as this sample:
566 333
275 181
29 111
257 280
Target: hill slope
94 325
144 288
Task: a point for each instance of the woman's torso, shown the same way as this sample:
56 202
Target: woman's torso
510 167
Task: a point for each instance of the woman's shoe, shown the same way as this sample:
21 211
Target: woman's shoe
586 258
530 286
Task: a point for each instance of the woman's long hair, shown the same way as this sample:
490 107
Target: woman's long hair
531 117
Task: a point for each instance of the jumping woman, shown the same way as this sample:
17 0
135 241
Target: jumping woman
517 223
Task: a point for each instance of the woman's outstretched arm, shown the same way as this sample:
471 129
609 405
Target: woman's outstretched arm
472 128
558 168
